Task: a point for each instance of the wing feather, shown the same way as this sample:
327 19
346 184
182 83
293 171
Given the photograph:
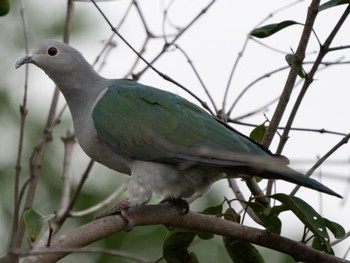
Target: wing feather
154 125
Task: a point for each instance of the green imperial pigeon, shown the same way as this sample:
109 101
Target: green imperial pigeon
168 145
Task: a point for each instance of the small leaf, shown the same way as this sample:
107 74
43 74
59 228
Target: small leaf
268 219
289 58
332 3
231 215
258 133
268 30
4 7
213 210
337 230
175 247
34 222
239 251
242 252
306 214
319 244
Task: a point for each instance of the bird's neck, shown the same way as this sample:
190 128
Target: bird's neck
81 88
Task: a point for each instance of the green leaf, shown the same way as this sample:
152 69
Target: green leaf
306 214
231 215
289 58
213 210
319 244
242 252
34 222
268 219
332 3
175 247
268 30
337 230
258 133
4 7
239 251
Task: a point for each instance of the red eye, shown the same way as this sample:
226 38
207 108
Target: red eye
52 51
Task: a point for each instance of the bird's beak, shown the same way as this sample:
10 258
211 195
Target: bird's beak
24 60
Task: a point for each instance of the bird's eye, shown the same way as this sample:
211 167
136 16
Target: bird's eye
52 51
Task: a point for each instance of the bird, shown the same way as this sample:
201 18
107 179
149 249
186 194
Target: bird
169 146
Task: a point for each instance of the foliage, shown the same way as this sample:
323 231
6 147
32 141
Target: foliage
42 185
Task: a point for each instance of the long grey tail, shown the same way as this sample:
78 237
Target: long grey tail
287 174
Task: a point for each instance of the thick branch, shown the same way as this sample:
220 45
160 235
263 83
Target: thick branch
167 214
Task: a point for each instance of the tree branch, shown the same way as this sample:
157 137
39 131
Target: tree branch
167 214
293 73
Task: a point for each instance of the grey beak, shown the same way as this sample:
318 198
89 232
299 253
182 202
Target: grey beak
22 61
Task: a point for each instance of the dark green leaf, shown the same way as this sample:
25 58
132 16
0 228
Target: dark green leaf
239 251
175 247
34 222
242 252
231 215
4 7
176 243
213 210
337 230
258 133
319 244
332 3
289 58
306 214
268 30
269 220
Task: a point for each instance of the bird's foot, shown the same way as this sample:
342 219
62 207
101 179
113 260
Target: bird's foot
180 204
121 208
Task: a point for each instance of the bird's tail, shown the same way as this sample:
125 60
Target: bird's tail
288 174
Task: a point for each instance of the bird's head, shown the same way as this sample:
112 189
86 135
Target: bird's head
54 57
62 63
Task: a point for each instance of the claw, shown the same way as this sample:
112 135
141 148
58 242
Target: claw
121 208
180 204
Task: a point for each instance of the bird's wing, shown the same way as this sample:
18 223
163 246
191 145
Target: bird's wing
150 124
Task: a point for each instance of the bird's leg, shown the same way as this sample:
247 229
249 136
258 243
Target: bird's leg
121 208
180 204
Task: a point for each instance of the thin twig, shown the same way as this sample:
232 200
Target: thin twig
85 250
295 68
23 114
310 77
190 62
120 190
39 150
69 142
149 64
323 159
82 181
241 52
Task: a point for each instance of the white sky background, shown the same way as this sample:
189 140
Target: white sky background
213 44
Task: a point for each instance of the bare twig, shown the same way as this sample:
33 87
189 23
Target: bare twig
241 52
295 68
150 64
323 159
23 114
237 191
120 190
88 250
309 78
190 62
39 150
69 142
